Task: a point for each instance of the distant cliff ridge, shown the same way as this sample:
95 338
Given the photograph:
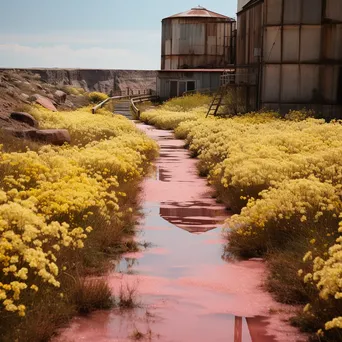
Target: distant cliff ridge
106 81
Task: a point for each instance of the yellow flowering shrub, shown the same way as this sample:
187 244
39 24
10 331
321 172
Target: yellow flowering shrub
245 155
283 179
27 250
326 278
187 103
73 90
48 198
82 126
97 97
291 209
167 119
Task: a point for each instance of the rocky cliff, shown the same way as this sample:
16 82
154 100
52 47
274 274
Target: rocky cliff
107 81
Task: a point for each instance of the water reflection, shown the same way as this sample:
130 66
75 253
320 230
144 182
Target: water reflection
187 291
187 304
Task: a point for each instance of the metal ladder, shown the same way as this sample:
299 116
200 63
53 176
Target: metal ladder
216 103
226 79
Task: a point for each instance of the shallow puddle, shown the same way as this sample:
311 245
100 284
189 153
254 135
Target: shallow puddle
186 289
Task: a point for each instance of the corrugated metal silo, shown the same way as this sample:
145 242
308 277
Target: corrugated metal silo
296 46
198 38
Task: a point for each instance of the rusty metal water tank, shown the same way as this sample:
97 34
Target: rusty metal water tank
198 39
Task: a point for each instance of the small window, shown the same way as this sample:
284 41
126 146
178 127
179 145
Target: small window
191 85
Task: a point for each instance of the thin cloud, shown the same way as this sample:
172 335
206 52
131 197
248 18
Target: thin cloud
64 56
84 37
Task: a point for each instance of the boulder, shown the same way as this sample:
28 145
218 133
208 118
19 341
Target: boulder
21 133
53 136
44 101
24 117
60 96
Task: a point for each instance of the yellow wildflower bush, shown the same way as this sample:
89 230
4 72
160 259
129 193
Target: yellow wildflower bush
26 249
293 208
97 97
73 90
167 119
245 155
187 103
178 110
283 179
326 278
57 201
82 125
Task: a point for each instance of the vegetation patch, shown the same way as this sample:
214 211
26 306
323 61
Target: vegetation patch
127 298
97 97
92 294
177 110
73 90
283 179
63 214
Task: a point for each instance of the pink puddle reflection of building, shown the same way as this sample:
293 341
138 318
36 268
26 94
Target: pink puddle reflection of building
186 289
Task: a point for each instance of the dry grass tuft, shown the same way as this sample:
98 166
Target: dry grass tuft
127 298
92 294
12 144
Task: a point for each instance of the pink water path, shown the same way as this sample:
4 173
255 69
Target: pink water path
189 291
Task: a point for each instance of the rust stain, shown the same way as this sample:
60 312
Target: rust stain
200 12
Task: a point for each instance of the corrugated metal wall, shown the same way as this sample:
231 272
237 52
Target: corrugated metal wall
197 43
249 35
301 52
203 80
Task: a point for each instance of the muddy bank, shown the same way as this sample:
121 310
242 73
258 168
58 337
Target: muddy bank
187 291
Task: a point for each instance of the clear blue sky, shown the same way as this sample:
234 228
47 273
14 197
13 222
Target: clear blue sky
89 33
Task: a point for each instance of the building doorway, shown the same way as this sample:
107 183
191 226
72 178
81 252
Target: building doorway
191 86
182 88
173 89
339 88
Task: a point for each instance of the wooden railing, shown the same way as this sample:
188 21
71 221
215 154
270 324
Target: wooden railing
100 105
140 99
125 94
131 92
134 99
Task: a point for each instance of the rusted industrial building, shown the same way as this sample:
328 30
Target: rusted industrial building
286 54
289 54
197 45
